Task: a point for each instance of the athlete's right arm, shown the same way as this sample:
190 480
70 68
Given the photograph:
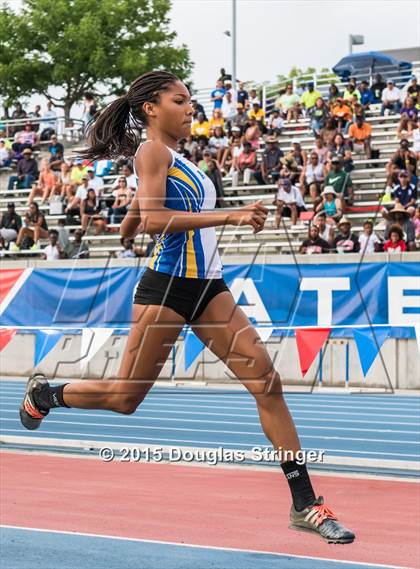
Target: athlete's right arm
152 163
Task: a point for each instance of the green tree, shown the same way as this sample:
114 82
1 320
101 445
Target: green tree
85 45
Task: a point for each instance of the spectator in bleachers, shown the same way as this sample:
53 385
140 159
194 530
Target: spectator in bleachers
395 243
416 222
289 202
299 155
200 127
97 183
351 92
369 241
309 97
26 171
213 173
326 230
402 159
18 114
320 149
217 95
333 94
341 182
190 146
78 248
126 171
123 196
203 164
53 251
314 244
36 114
331 204
77 172
341 149
48 125
413 89
5 154
400 216
241 118
56 150
360 134
275 123
252 133
346 241
63 233
46 185
253 98
26 138
269 167
312 178
90 213
201 148
258 114
35 228
242 95
329 131
128 251
318 114
216 120
289 104
67 189
10 224
377 87
408 118
228 107
181 149
391 98
366 95
416 140
218 144
247 162
198 108
405 193
231 154
342 113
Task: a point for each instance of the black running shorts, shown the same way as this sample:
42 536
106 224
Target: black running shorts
187 297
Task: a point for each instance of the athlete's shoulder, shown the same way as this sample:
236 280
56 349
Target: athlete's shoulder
154 154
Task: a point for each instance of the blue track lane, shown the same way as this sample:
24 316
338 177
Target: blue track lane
85 552
382 427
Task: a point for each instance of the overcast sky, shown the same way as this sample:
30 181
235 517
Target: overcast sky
275 35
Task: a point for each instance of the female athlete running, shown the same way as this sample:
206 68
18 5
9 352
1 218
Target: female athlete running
182 284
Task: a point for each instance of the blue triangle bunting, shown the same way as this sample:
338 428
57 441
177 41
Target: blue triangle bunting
193 347
45 340
369 341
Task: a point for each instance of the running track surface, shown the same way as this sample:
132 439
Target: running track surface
353 427
238 508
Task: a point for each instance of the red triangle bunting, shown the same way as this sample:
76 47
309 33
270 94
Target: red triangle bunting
309 341
8 277
6 334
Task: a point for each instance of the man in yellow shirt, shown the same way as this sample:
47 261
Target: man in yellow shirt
77 172
257 113
310 96
200 127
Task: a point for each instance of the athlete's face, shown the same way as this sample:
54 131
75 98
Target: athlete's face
174 112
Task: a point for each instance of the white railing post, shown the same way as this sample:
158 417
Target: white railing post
264 97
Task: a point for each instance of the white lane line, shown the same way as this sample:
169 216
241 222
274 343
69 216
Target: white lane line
321 438
224 444
212 547
209 413
219 422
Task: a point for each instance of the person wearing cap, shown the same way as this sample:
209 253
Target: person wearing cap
258 114
402 159
330 204
200 127
413 89
400 216
310 96
360 134
391 96
350 92
26 171
405 193
289 201
341 182
377 87
314 244
10 224
270 164
240 119
56 150
346 241
77 171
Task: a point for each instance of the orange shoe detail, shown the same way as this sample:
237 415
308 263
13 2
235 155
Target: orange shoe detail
32 411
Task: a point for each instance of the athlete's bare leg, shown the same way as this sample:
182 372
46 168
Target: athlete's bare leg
154 331
229 334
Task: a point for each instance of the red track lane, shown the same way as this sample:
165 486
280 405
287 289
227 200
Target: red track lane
206 506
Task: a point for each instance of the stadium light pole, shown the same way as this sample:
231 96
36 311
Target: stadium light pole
234 87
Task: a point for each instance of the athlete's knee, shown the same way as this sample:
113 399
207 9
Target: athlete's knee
270 388
127 404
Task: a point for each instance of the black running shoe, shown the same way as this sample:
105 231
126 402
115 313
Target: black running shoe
30 415
321 520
